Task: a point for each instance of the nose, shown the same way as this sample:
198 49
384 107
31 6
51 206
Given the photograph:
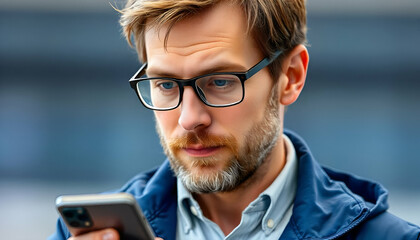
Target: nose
194 113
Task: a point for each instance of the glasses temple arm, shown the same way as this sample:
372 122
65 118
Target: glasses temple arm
263 63
140 72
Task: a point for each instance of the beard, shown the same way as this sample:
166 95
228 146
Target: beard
241 162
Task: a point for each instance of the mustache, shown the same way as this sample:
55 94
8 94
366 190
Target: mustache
204 139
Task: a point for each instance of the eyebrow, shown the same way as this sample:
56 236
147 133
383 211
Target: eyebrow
219 68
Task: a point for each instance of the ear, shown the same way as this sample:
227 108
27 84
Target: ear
293 75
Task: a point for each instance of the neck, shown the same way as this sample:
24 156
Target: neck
225 208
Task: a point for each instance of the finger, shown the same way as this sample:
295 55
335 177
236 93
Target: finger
105 234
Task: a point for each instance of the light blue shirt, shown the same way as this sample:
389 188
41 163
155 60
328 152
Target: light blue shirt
264 218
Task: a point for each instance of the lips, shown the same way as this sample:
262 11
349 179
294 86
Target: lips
201 151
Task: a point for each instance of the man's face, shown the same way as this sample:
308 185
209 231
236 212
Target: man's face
214 149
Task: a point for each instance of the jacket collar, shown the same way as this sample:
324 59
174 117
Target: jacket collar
328 204
158 202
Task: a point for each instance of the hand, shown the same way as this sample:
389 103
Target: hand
105 234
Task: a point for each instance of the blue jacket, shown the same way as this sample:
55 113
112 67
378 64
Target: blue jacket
328 204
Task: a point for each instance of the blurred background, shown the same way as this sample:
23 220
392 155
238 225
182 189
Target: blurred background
70 123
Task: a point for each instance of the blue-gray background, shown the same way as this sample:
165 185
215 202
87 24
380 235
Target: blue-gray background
70 123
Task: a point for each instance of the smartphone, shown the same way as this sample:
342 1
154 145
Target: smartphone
86 213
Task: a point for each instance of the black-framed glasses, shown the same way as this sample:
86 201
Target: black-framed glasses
221 89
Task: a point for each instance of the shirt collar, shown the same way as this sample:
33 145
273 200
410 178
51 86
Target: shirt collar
185 200
281 193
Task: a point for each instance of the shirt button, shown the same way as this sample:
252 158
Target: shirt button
270 223
193 211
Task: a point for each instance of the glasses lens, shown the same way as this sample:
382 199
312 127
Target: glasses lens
220 90
216 90
159 93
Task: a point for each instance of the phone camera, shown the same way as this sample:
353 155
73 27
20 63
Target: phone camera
75 224
68 214
83 217
77 217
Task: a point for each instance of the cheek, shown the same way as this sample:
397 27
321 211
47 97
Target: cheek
250 112
257 93
166 122
238 120
255 103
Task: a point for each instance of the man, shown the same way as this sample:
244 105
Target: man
218 75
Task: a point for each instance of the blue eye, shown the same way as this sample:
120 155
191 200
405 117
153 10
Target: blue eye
220 82
167 85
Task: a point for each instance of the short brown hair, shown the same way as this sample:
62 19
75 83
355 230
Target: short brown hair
274 24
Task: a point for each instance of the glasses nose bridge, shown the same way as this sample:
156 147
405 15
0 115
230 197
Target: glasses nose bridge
187 82
191 83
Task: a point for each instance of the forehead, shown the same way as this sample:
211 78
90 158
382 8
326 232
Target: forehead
215 33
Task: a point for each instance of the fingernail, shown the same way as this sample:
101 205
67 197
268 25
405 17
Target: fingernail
108 236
